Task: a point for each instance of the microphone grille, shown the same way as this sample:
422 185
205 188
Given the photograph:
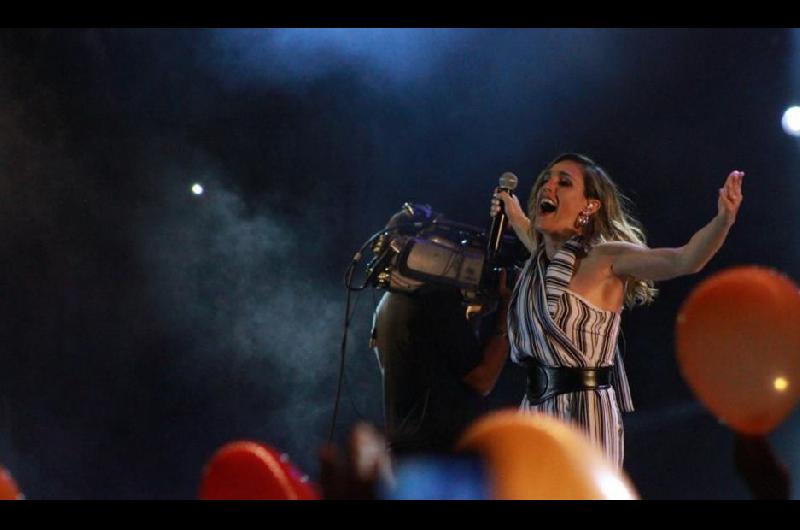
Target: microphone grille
508 180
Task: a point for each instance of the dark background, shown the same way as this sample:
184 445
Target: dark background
144 326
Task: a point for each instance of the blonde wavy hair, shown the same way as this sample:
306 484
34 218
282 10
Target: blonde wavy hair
612 222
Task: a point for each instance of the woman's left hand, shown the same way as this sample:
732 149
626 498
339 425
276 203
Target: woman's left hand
730 197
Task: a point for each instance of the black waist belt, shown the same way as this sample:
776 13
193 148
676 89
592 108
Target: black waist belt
545 382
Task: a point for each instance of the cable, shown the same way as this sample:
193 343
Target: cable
347 314
348 280
357 257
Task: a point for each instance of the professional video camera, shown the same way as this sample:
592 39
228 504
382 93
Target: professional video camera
421 247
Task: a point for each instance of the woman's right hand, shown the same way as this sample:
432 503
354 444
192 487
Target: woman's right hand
516 217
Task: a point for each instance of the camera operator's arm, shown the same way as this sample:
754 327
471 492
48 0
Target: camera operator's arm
484 376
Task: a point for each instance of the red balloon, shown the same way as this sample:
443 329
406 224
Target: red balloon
245 470
8 488
738 347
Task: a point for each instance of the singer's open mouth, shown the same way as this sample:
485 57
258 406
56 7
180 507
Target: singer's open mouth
547 206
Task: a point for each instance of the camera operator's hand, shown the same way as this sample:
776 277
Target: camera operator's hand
498 301
503 289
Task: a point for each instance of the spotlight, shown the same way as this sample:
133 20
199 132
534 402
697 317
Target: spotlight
197 189
791 121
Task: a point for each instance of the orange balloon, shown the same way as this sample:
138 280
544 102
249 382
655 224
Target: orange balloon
245 470
738 347
8 488
532 456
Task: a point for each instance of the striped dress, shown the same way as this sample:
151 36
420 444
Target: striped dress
557 327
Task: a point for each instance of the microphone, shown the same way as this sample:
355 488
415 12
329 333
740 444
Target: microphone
508 182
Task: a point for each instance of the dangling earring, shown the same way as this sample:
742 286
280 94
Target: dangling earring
583 219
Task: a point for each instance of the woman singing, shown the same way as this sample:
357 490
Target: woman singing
588 259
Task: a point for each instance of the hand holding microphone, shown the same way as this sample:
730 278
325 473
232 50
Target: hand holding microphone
503 195
505 200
